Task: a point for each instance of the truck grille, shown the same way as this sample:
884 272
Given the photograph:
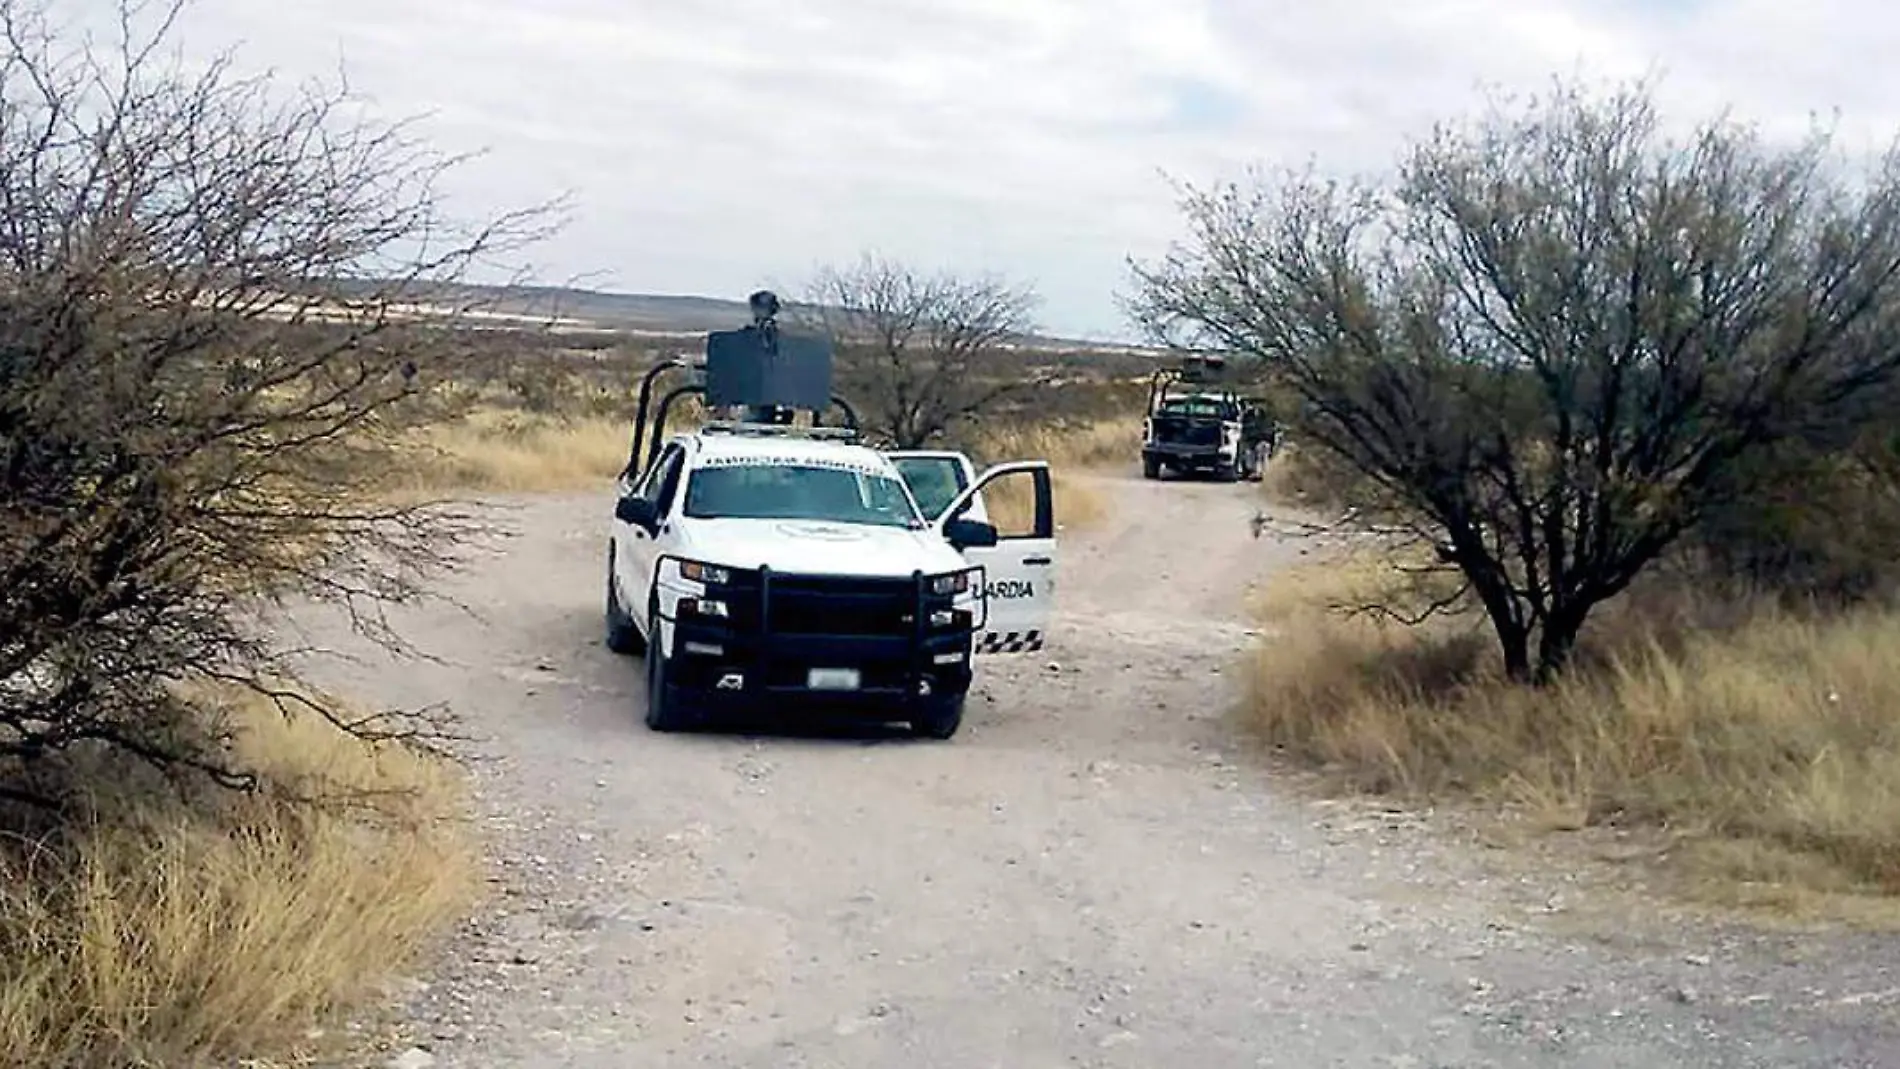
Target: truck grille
842 606
827 605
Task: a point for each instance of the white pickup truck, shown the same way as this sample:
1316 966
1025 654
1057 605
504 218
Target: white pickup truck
764 570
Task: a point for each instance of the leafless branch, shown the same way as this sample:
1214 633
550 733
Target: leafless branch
225 307
922 353
1456 601
1554 340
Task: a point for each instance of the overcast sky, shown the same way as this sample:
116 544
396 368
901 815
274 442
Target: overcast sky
713 146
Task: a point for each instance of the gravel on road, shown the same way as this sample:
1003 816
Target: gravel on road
1093 873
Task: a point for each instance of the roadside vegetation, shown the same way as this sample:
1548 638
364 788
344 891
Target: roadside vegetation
207 384
1755 745
160 928
1609 413
218 398
537 412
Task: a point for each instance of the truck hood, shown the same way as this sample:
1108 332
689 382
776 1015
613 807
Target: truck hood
814 548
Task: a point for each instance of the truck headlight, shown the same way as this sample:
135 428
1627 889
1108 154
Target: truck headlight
957 583
704 573
703 607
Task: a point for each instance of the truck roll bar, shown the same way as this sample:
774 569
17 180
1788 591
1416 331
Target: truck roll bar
659 418
640 418
850 414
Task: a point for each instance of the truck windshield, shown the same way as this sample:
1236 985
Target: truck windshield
799 492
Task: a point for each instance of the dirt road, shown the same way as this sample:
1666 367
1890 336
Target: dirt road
1088 875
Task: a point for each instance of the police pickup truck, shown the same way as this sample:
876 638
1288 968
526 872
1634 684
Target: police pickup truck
775 573
1194 424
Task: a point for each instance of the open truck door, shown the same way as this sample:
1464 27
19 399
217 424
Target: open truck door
1016 547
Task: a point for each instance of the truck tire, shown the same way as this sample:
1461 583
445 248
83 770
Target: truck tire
1150 468
665 710
940 720
622 636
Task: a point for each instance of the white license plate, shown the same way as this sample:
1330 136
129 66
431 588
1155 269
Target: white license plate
832 679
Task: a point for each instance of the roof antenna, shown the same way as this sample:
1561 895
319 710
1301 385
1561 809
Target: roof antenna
765 309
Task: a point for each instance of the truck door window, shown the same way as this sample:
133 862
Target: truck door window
1011 500
934 482
649 482
669 480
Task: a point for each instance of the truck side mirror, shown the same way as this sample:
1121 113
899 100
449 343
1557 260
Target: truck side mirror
970 534
637 511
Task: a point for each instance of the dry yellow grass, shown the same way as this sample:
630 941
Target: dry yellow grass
1069 446
1770 749
498 451
167 933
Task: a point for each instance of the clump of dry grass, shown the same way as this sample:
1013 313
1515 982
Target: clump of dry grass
166 931
1770 746
1068 445
495 450
503 451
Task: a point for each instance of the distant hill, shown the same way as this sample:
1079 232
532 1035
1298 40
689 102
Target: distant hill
646 313
583 309
659 312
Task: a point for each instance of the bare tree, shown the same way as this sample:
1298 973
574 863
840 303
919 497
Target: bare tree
919 353
1556 344
209 358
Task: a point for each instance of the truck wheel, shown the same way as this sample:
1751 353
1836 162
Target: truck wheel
1225 472
665 711
1150 468
940 720
622 636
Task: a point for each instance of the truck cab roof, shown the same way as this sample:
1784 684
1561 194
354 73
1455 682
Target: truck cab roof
712 448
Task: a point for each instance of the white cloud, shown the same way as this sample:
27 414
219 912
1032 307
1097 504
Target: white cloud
715 145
